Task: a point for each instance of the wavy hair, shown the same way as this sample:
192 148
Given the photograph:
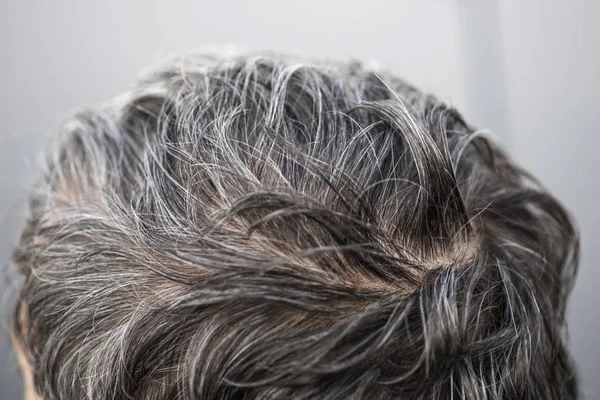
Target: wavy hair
259 226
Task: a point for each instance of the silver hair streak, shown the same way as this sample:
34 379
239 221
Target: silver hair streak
259 226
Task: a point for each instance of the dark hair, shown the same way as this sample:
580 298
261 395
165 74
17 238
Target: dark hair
263 227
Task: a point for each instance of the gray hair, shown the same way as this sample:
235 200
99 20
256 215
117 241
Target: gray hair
264 227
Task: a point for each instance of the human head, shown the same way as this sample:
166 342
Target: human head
258 226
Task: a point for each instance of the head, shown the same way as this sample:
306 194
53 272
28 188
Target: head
264 227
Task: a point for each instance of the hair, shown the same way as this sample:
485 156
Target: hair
259 226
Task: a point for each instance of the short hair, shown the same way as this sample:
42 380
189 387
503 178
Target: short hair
260 226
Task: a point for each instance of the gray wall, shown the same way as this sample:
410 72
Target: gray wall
527 71
553 60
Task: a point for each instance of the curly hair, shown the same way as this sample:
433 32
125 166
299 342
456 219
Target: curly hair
259 226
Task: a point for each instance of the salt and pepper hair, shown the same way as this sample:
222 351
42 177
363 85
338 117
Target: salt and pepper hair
265 227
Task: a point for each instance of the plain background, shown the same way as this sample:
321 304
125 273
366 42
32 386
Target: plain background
525 69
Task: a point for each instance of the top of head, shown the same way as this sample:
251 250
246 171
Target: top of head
260 225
